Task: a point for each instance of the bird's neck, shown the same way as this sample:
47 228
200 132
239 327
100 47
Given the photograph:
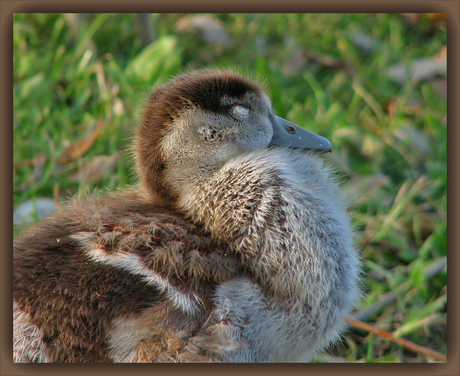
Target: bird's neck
277 219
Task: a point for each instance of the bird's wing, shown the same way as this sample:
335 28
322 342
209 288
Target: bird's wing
116 279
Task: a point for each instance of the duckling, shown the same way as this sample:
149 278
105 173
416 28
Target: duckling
235 246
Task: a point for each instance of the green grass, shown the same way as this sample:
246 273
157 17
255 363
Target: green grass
390 139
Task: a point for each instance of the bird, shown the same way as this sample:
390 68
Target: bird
234 246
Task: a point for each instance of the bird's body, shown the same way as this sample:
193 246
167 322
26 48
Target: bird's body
229 250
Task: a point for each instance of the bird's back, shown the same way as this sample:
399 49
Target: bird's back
117 268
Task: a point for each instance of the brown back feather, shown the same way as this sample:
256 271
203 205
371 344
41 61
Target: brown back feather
74 299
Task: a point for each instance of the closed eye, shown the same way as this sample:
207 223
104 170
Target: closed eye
239 111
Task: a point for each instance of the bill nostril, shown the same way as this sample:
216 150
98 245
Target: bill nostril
290 129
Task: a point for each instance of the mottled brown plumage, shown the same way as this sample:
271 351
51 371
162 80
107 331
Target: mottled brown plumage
73 301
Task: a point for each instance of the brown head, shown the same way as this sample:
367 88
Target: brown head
198 121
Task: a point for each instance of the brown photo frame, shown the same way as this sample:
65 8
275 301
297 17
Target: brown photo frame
451 8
